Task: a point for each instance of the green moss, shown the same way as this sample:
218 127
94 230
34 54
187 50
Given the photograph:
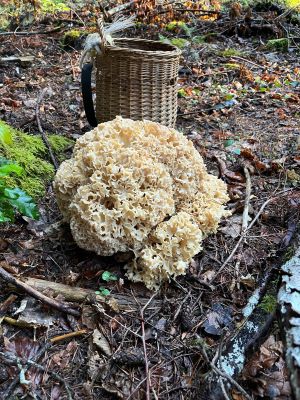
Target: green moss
232 66
290 252
59 145
230 53
268 303
278 44
72 38
179 42
171 26
31 154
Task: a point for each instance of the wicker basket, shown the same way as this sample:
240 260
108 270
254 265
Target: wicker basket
137 79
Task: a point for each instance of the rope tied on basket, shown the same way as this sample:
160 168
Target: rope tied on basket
96 42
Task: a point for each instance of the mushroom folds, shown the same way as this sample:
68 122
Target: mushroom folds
140 186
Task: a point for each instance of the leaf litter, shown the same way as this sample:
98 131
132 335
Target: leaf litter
239 104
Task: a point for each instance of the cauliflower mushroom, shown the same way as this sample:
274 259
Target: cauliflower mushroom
140 186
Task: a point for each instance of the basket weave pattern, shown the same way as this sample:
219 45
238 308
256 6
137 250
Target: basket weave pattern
137 79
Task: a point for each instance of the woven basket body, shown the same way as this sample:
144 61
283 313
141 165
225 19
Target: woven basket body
137 79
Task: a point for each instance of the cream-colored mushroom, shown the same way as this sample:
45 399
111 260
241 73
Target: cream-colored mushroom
140 186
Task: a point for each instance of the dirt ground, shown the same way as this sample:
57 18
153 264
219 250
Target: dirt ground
239 104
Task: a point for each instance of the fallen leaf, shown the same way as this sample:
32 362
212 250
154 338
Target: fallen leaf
101 342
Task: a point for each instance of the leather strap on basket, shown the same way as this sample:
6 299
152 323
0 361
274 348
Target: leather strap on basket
87 95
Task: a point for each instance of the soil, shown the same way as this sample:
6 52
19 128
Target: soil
241 110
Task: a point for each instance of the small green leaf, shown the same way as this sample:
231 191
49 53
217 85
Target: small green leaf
6 212
22 202
229 96
104 291
179 42
237 151
263 89
5 134
229 142
182 93
108 276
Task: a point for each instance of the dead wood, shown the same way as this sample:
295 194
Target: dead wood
289 301
82 295
16 33
6 276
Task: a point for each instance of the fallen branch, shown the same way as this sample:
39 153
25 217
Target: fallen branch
6 276
288 298
16 33
87 296
222 373
38 120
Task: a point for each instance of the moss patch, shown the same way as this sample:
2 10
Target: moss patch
230 53
278 44
31 154
268 303
72 39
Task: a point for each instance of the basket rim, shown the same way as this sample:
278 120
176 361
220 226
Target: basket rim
171 50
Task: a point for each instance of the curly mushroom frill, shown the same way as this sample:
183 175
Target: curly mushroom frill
169 251
117 209
128 184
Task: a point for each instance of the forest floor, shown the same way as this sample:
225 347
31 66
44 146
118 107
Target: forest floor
239 102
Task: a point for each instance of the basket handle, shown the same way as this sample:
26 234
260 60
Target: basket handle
87 96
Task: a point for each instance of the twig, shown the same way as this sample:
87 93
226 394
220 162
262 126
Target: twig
16 322
16 360
148 381
222 373
181 304
117 321
38 120
37 295
16 33
243 235
223 389
247 61
286 13
247 200
68 336
11 387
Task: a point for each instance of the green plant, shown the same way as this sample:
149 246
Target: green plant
268 303
53 6
29 151
230 53
108 276
103 291
278 44
14 199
